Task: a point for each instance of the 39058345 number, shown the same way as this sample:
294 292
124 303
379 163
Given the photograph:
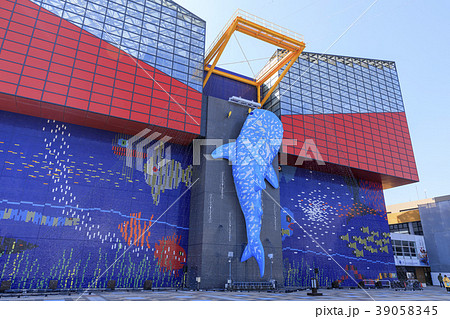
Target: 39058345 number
406 310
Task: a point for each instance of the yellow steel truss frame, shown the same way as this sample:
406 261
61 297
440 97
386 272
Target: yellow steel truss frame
292 43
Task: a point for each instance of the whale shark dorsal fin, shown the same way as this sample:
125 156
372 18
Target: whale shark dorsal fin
227 151
271 176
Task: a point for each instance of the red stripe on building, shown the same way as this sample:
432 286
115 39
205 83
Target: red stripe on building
375 142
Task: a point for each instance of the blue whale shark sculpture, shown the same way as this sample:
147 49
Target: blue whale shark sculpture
251 156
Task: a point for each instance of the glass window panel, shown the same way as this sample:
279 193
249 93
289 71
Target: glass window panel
149 58
74 9
92 16
135 14
182 45
199 23
197 42
152 16
183 38
198 29
165 54
168 18
285 99
167 33
114 34
136 6
93 7
133 24
168 25
167 41
130 44
148 43
91 30
181 60
152 6
131 36
94 23
179 75
196 79
338 109
165 69
150 31
197 51
131 51
180 67
163 62
183 31
196 57
183 53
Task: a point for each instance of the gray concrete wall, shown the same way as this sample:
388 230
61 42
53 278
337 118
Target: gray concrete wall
435 218
217 224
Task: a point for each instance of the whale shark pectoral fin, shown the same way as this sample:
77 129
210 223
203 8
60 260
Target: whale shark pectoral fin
227 151
271 176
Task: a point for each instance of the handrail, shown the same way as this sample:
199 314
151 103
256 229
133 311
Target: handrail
250 17
269 25
276 57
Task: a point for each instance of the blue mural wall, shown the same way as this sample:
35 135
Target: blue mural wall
71 210
342 225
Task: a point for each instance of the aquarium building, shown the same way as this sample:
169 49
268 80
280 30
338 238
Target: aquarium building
95 95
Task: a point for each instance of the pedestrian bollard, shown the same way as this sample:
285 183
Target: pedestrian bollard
314 288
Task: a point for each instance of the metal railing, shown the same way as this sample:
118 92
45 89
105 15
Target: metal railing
276 57
406 285
268 285
252 18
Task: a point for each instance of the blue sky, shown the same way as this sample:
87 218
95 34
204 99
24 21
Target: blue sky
412 33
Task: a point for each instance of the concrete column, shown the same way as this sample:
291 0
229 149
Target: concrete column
411 229
217 225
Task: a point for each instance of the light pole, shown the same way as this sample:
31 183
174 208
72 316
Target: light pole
315 285
230 256
271 263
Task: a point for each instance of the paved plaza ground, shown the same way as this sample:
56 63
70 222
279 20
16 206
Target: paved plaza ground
427 294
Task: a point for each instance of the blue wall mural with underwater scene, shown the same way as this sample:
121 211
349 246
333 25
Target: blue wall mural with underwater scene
72 211
342 228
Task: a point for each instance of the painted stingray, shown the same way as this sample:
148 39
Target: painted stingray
251 156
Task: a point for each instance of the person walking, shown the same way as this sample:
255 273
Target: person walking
441 283
446 281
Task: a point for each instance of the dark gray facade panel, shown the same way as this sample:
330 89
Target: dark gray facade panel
217 225
435 219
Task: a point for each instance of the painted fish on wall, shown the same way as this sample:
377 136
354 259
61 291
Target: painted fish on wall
170 255
14 246
251 156
286 222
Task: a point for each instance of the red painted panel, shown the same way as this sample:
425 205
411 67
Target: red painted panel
9 77
356 148
55 98
139 117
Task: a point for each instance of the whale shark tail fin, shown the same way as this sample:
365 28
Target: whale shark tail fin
255 249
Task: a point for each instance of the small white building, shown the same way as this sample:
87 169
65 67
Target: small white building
408 243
